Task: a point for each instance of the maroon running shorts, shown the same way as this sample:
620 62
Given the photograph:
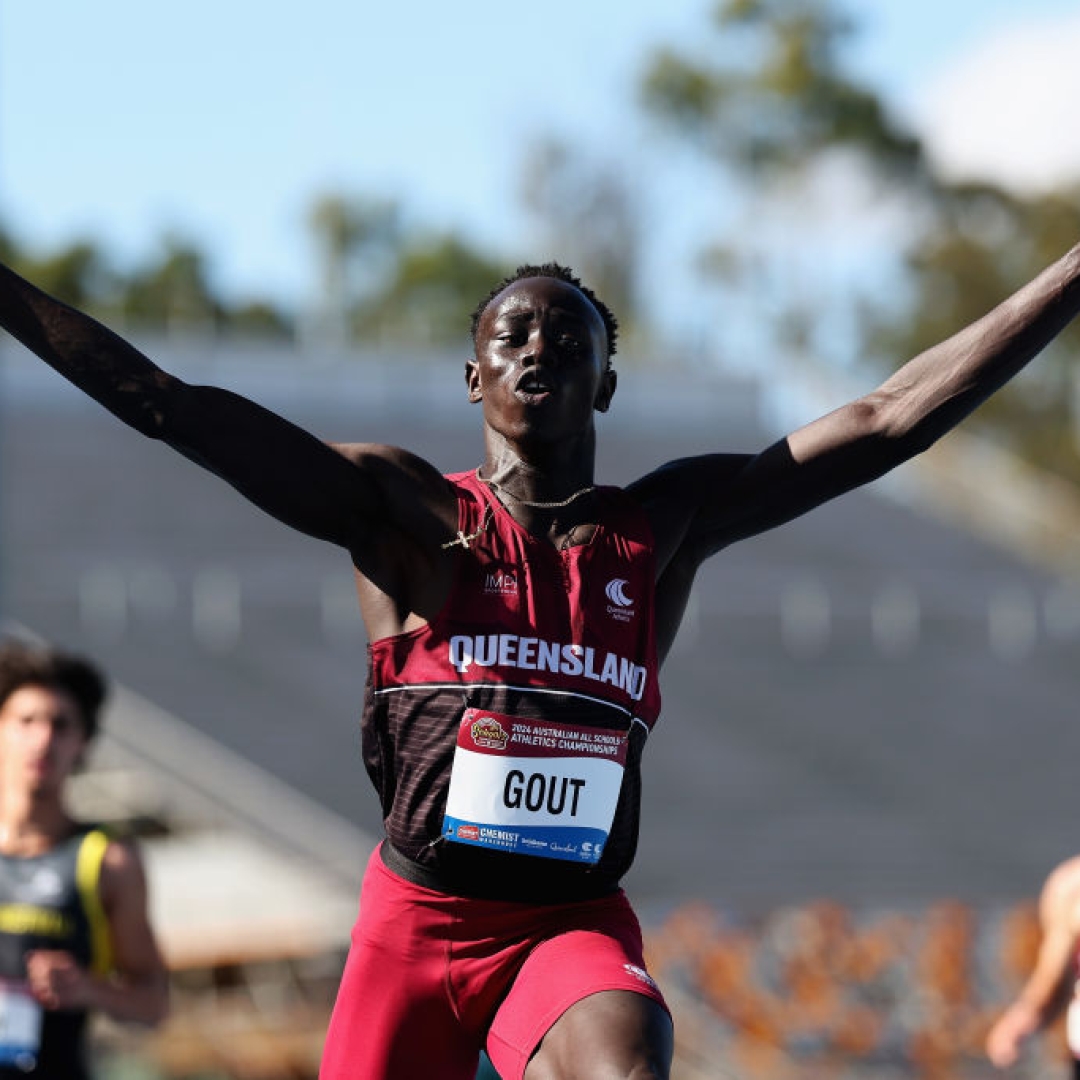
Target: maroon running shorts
431 977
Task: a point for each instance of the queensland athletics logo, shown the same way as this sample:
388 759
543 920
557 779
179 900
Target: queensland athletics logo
490 733
621 606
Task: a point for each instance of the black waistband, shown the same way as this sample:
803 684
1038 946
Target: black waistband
413 872
518 878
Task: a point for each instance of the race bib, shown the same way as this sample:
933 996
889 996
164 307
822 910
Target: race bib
20 1025
533 787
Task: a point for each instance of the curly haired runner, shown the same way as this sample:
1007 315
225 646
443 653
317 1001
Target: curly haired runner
518 614
74 932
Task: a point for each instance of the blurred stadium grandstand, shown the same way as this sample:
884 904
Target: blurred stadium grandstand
819 991
864 769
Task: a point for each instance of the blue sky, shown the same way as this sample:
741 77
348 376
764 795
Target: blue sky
222 120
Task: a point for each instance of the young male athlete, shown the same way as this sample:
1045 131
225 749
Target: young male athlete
1054 983
74 933
517 615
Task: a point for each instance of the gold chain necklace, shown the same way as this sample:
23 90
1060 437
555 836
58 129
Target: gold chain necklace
535 505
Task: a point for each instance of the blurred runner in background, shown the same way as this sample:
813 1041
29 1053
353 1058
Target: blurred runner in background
1052 985
74 932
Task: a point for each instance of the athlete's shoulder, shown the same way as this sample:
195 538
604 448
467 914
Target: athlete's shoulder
1060 897
123 872
687 476
622 512
113 849
409 486
381 456
83 836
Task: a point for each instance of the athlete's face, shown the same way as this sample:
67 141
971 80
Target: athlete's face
541 361
41 739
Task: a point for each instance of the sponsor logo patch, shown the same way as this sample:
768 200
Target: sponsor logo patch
501 583
487 731
47 883
621 606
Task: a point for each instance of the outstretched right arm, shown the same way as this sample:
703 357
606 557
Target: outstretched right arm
280 467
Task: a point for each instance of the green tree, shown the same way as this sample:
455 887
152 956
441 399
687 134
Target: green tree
358 240
173 290
259 318
427 295
982 244
774 92
766 105
77 274
587 217
770 100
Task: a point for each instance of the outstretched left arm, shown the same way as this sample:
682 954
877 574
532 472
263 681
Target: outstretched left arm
931 394
700 505
719 499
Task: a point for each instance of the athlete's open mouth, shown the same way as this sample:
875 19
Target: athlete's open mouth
535 383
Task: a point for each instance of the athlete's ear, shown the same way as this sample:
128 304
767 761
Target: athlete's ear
472 380
606 391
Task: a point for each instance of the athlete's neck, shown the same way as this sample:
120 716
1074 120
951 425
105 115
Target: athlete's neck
549 473
547 487
31 824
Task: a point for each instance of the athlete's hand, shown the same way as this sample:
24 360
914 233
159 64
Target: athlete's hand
57 980
1006 1036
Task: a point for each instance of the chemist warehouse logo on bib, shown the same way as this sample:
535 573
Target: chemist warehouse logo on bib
621 607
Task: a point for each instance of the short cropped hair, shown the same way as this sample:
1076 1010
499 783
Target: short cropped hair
22 664
562 273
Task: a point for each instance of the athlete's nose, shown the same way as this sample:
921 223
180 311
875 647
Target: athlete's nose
41 735
540 348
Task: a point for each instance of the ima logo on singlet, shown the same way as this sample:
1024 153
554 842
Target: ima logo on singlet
621 607
501 583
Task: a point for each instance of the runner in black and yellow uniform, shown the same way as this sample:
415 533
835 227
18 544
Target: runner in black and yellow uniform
74 933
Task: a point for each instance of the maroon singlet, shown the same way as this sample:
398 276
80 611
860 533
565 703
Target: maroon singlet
531 632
